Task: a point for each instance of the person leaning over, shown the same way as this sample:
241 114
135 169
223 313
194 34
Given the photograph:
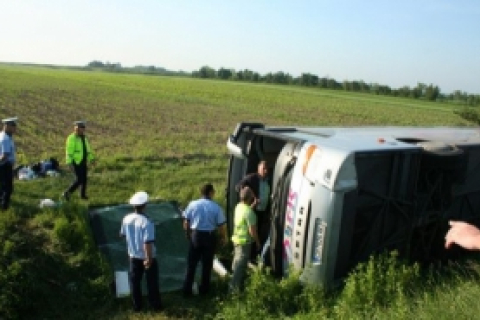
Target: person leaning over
201 218
244 235
7 161
139 232
78 154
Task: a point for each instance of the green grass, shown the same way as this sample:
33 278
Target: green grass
167 135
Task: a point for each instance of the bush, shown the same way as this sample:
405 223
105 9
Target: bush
469 114
381 282
48 259
266 298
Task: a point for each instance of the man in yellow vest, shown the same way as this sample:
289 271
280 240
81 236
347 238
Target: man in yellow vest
244 234
78 154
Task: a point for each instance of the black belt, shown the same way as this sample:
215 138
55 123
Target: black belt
204 231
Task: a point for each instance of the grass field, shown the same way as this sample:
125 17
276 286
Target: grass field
167 136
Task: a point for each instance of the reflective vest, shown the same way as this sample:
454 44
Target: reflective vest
74 149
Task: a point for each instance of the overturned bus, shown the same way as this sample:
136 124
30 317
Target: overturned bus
339 195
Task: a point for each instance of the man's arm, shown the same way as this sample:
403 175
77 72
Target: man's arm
147 247
5 151
69 150
187 229
122 230
253 232
3 157
148 240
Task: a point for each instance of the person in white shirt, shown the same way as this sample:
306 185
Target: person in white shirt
139 232
7 161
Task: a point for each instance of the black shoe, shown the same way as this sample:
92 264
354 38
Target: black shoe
84 198
66 196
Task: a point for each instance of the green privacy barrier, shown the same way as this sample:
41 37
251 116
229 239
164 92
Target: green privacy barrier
172 246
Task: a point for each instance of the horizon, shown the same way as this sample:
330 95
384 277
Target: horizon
393 44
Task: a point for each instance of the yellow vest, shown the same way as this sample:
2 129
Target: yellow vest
244 217
74 149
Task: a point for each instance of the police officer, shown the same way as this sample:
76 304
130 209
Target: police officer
201 219
78 154
7 161
140 235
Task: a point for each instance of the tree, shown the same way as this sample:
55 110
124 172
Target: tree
223 73
432 92
206 72
96 64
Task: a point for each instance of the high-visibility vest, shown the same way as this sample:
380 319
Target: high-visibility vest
74 149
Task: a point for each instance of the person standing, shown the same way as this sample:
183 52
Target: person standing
7 161
139 232
258 184
78 154
244 238
202 218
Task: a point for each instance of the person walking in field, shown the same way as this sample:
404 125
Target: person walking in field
78 154
139 232
202 218
243 238
7 161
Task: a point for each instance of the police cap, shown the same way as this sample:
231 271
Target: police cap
80 124
10 121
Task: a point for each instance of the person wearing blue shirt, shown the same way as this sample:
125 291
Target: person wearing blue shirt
202 218
7 161
139 232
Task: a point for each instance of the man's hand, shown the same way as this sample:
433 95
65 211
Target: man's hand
463 234
147 263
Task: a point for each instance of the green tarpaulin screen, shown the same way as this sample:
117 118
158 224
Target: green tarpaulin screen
171 244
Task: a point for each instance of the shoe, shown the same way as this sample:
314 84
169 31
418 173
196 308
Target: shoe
84 198
66 196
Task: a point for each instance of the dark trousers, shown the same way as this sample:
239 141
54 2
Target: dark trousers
6 185
263 228
202 247
80 171
136 274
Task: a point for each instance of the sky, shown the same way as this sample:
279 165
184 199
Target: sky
393 43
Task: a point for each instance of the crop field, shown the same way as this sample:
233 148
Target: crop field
167 135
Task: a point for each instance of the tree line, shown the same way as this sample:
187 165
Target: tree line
139 69
423 91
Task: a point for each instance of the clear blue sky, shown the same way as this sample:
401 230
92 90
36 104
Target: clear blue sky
389 42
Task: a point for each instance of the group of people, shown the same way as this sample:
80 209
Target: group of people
203 220
78 155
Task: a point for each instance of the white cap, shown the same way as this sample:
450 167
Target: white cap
139 198
10 121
